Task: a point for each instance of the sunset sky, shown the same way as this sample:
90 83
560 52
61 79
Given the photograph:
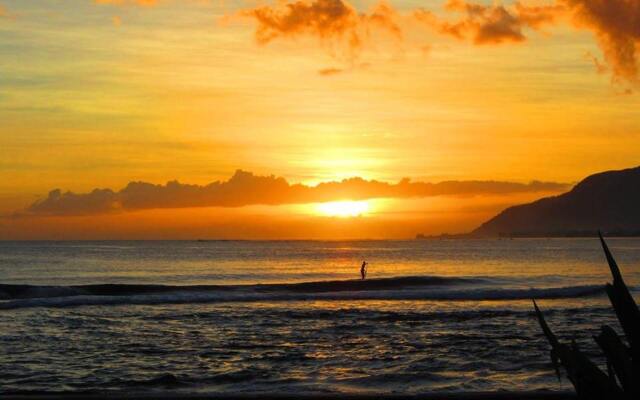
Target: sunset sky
99 94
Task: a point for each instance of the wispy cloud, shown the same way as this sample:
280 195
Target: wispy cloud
337 23
600 67
330 71
616 26
614 22
489 24
333 22
245 188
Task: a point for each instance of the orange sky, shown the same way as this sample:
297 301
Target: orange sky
97 94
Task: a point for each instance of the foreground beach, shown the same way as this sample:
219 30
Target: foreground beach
425 396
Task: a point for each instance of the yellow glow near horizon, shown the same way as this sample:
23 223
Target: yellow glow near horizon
424 105
343 209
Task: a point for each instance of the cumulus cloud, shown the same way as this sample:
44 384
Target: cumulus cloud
490 24
245 188
333 22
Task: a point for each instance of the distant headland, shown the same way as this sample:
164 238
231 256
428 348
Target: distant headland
607 201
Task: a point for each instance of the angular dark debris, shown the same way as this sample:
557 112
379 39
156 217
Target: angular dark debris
622 379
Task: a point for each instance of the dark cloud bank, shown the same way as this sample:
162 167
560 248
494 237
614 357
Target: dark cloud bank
245 188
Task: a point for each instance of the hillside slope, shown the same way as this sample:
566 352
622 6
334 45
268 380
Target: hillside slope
609 201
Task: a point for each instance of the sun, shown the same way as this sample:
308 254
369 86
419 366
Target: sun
343 209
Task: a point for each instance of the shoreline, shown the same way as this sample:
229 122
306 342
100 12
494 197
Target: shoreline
416 238
498 395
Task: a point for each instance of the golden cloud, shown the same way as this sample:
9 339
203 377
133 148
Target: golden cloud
332 21
245 188
330 71
492 24
616 25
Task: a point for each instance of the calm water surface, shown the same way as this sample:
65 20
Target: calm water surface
450 315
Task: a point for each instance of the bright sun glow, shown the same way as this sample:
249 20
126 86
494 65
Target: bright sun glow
343 209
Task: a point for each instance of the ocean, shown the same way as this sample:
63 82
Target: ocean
293 317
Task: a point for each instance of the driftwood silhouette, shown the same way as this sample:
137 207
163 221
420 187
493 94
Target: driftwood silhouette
622 379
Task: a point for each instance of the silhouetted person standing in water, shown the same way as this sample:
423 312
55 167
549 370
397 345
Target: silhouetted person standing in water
363 270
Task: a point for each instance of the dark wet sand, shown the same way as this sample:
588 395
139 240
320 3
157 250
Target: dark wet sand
427 396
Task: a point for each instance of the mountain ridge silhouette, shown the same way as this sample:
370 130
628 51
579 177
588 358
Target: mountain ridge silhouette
607 201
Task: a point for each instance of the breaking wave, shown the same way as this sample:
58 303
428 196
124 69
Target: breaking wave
400 288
